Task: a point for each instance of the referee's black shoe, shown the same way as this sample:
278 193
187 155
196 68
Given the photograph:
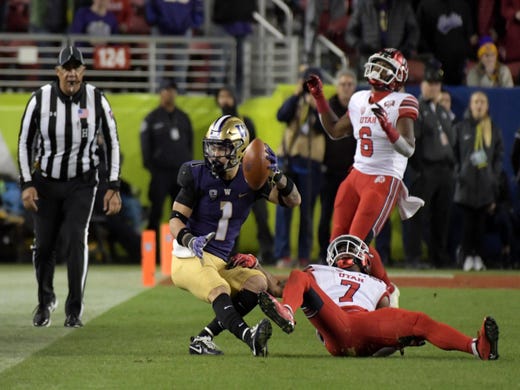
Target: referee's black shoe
73 321
42 314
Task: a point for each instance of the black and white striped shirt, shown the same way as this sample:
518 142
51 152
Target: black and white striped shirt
62 132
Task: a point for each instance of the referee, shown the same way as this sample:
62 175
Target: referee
59 178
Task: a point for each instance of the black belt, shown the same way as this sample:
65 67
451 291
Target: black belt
84 177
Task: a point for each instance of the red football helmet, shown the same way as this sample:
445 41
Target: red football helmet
387 69
346 250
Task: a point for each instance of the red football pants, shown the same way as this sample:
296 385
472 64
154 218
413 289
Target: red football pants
362 333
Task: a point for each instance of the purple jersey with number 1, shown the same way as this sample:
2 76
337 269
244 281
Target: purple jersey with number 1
218 205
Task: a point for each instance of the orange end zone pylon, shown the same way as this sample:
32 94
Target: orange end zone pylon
148 257
166 249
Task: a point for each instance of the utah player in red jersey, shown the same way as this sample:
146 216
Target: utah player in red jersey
350 312
382 121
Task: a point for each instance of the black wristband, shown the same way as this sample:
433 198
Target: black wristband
277 177
281 202
288 187
114 185
182 234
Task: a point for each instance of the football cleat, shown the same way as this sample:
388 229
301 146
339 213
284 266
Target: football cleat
469 263
42 314
282 315
204 345
487 341
260 334
73 321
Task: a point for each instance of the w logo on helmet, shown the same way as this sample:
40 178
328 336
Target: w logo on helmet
241 129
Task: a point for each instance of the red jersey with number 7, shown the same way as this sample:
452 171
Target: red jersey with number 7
349 289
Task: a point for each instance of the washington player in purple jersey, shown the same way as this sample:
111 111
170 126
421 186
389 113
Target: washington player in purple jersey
213 203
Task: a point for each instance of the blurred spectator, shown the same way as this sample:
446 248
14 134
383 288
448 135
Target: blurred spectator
479 152
489 19
324 17
14 224
500 221
448 33
96 21
510 49
133 22
301 155
16 16
10 194
48 16
445 101
121 9
297 8
227 102
136 22
489 72
124 227
166 143
8 167
376 24
177 19
430 175
515 156
235 18
339 156
77 4
3 13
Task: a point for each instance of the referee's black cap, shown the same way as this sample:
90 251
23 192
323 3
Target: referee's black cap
70 53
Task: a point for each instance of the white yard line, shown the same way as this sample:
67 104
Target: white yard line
107 286
412 274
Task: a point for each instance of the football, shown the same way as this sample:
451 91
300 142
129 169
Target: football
255 164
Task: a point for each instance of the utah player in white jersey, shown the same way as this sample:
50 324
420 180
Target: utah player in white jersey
381 120
349 310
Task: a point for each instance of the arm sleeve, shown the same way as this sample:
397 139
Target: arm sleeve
109 129
28 131
409 108
187 194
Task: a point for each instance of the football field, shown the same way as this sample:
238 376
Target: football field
137 338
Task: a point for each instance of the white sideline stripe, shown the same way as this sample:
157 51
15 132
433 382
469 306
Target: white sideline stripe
420 275
106 287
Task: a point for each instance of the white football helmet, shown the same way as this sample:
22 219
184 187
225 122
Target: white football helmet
346 250
387 69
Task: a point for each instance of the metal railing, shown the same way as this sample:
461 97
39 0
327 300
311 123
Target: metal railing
127 63
137 63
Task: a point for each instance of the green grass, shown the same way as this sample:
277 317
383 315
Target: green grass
142 343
